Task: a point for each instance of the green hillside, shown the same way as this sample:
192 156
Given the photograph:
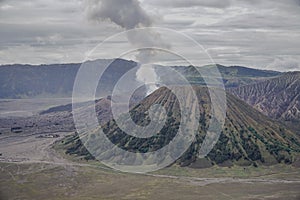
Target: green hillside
248 137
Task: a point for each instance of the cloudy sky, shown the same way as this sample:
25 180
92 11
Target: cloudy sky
259 33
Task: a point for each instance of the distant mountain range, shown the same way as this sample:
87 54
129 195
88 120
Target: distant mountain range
233 76
57 80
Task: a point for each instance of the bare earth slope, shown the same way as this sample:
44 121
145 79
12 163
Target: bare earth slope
278 98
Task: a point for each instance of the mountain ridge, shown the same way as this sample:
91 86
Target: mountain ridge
56 80
278 98
19 81
248 137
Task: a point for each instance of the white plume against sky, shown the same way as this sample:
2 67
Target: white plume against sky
259 33
128 14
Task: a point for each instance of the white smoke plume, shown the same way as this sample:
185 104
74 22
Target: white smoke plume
129 14
126 13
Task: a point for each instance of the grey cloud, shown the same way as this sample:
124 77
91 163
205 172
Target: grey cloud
224 3
249 47
190 3
126 13
284 64
243 32
259 21
271 3
249 17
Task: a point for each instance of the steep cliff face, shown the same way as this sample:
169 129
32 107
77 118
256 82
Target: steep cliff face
278 98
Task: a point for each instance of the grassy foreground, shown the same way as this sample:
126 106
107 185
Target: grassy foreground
82 180
44 181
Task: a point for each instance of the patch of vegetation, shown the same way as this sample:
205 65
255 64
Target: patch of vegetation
248 137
